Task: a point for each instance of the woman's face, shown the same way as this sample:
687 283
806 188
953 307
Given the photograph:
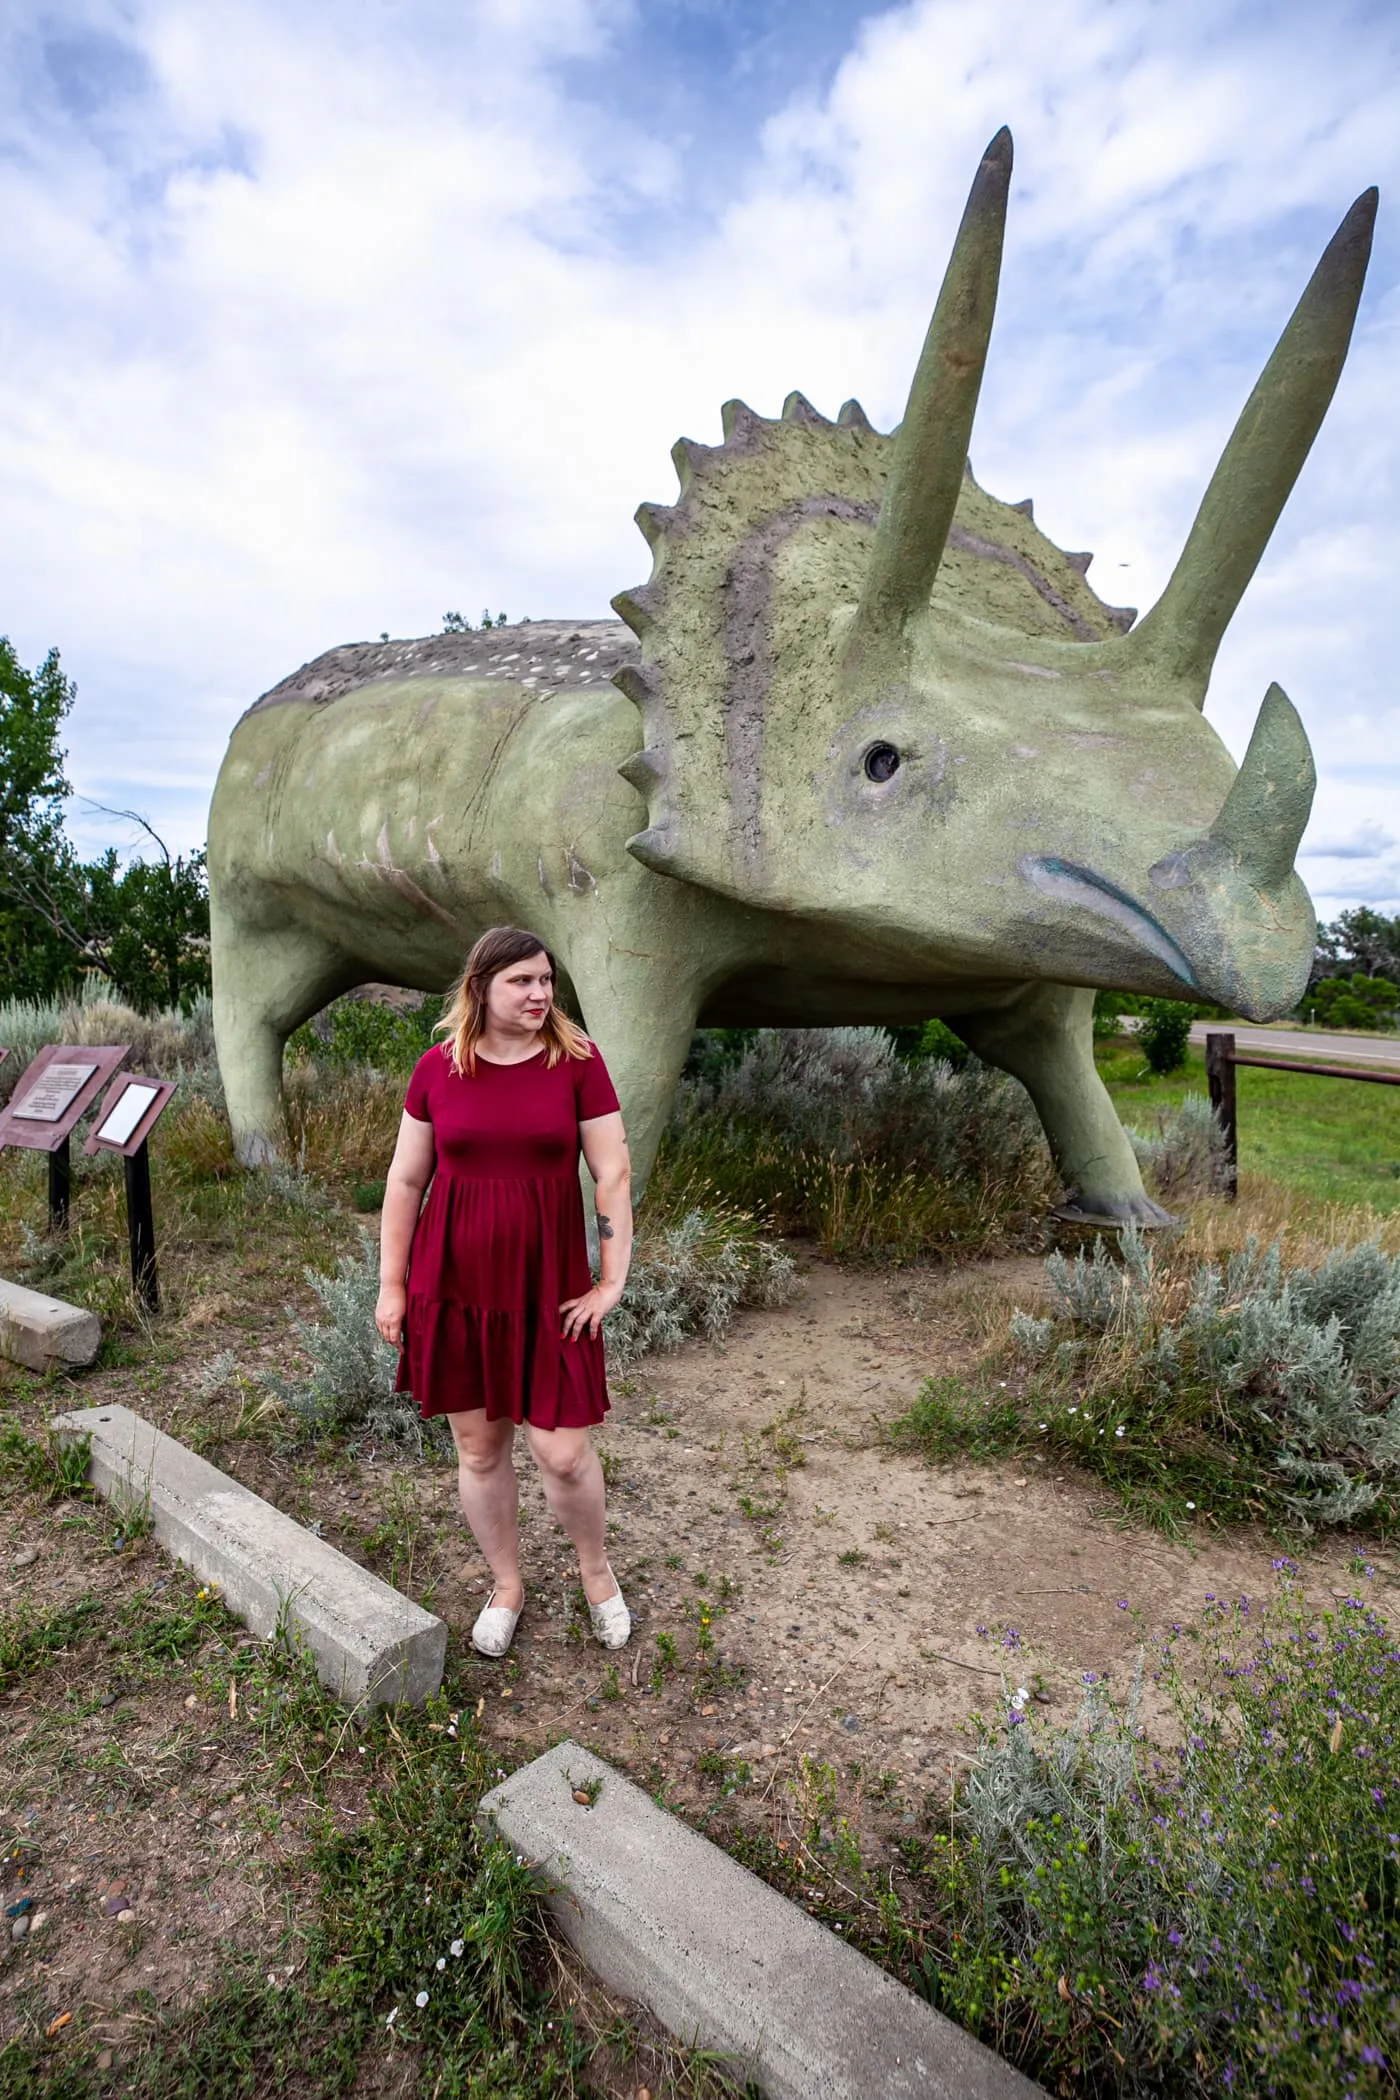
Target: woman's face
518 997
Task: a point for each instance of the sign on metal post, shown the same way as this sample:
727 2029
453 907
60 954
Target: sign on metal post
125 1122
49 1101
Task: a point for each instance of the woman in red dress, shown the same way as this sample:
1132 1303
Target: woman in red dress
486 1287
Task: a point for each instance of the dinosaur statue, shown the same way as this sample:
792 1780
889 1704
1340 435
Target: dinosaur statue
898 761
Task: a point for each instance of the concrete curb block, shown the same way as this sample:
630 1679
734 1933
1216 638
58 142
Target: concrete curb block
662 1915
39 1332
372 1646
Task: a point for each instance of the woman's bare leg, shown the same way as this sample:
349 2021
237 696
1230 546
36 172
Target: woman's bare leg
573 1488
490 1497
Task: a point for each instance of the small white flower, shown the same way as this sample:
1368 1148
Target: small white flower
457 1947
1042 1425
1190 1505
421 2000
1120 1430
442 1961
392 2017
1074 1410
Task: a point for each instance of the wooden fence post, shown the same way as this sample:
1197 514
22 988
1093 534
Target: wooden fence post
1220 1079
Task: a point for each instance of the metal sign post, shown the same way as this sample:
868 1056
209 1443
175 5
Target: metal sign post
129 1115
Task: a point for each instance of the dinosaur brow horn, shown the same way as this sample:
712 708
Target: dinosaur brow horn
1260 464
930 452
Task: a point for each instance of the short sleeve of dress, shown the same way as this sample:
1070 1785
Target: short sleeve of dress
593 1089
418 1099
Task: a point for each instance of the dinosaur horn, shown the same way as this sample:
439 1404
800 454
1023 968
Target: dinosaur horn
930 452
1260 464
1270 798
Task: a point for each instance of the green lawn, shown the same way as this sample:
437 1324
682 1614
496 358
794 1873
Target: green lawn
1336 1139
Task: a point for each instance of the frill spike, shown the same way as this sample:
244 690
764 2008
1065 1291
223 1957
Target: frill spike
643 770
639 608
1080 562
653 520
740 423
851 416
1026 506
798 409
690 459
635 682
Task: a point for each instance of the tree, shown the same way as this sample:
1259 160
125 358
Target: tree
1360 939
146 927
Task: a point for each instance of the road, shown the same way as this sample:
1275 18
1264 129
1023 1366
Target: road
1319 1046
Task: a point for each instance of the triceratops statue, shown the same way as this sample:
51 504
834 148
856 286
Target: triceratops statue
898 761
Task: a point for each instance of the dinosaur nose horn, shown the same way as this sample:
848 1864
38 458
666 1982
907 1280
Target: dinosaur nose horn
1269 802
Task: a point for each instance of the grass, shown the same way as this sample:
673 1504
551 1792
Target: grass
1336 1141
418 1957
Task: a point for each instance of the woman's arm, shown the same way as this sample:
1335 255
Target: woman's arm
410 1171
604 1144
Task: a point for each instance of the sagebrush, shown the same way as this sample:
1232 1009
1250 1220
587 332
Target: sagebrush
1260 1384
829 1132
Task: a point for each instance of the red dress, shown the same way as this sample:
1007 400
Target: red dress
500 1242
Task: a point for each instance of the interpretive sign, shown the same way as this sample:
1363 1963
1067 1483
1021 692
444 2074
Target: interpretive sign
46 1097
129 1114
56 1092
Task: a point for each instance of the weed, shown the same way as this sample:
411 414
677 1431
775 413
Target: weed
851 1558
48 1465
611 1686
948 1421
29 1639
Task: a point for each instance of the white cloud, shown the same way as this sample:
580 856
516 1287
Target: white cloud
323 319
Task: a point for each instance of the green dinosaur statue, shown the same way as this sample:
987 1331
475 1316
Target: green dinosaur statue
899 761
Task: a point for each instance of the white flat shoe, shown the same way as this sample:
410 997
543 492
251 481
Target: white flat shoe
612 1622
495 1628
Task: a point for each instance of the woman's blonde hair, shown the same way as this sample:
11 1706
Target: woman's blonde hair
464 1019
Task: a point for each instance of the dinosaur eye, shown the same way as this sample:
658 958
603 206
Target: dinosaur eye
881 762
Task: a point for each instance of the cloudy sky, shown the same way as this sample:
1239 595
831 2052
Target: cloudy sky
322 317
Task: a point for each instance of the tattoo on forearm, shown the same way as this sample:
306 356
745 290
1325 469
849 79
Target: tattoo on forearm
605 1230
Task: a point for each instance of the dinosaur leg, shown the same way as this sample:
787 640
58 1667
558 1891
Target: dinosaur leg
266 983
640 1010
1044 1036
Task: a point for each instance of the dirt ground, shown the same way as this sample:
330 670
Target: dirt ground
799 1591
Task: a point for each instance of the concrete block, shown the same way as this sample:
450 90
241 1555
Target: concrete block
662 1915
39 1331
372 1645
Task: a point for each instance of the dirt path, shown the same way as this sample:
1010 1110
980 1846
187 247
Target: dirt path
878 1601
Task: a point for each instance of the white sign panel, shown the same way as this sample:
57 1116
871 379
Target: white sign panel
123 1119
53 1093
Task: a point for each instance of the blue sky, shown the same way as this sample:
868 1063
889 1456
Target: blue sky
324 316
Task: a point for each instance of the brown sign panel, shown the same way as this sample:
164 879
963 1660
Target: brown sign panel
129 1114
56 1092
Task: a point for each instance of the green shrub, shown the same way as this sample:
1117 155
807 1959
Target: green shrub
1185 1155
690 1278
358 1031
1109 1009
830 1132
1358 1001
1164 1032
1235 1387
